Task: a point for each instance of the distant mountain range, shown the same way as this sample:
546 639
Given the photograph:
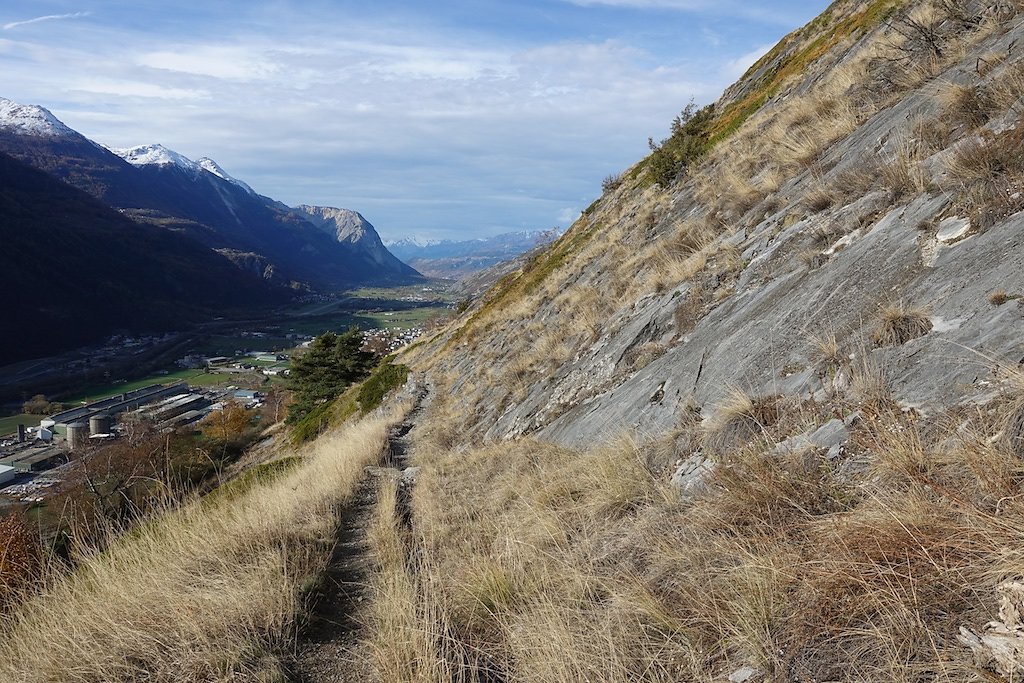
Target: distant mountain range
187 214
74 270
455 259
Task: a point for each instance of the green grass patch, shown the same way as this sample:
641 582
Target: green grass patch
414 317
257 474
194 377
9 425
386 377
830 34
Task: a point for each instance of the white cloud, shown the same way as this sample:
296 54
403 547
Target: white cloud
424 130
215 61
48 17
735 68
124 88
567 215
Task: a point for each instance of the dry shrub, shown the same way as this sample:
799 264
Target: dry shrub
898 324
1006 87
818 197
970 106
776 489
998 297
904 175
20 560
691 236
1013 429
826 354
738 419
988 173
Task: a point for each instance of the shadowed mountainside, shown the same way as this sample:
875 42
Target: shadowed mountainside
75 270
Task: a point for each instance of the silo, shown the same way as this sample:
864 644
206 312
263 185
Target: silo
78 435
100 423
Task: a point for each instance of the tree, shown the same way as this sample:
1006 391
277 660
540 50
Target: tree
40 405
332 363
226 426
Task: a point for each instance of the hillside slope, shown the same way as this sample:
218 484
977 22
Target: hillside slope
759 414
877 176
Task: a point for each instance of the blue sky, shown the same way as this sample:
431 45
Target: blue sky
443 119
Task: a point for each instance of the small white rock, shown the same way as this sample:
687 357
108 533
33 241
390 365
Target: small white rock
743 674
952 229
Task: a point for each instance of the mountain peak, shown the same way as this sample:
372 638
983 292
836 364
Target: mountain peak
208 164
155 155
347 225
31 119
355 233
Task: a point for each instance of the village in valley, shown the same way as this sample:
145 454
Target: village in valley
40 446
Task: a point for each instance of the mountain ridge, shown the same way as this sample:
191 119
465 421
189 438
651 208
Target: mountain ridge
162 187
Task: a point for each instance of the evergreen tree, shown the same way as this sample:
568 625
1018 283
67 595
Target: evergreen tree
332 363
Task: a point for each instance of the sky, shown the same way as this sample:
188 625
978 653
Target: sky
446 119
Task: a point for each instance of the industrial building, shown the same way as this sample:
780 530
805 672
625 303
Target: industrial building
34 458
110 407
7 473
178 410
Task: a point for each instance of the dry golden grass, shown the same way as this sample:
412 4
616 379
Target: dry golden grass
531 562
826 353
738 418
899 323
209 592
970 106
988 173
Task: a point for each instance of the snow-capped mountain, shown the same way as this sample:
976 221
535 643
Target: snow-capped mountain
158 155
30 119
198 199
155 155
208 164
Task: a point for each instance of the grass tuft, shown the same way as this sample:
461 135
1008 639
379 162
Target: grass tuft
899 324
738 419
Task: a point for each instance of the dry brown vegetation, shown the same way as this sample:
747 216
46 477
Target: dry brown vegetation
899 323
208 592
531 562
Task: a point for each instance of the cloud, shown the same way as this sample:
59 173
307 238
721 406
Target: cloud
424 127
719 8
215 61
126 88
735 68
48 17
567 215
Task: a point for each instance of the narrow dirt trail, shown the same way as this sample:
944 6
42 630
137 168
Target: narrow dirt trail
332 647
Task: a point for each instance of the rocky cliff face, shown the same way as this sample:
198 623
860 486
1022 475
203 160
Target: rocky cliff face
855 222
356 234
